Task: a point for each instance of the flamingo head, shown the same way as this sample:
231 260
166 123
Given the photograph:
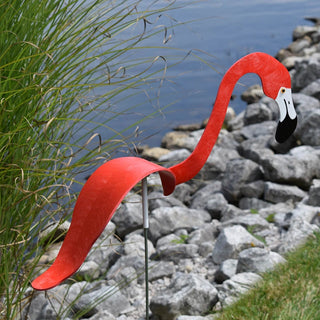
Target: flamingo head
276 83
288 117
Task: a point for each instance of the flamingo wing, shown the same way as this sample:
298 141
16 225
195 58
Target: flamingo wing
95 206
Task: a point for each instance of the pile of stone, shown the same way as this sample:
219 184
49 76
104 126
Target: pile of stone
210 241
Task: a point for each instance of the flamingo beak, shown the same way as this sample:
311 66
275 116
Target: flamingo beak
288 116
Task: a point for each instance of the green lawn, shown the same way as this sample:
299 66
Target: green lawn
291 291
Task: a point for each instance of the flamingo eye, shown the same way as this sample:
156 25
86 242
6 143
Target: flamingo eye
283 90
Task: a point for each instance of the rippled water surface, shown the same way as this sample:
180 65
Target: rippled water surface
221 33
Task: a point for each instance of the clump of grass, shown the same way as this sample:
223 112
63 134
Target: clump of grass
63 65
291 291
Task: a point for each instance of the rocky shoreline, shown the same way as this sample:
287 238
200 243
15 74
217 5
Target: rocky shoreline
209 241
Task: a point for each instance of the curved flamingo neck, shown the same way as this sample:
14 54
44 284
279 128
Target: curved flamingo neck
270 71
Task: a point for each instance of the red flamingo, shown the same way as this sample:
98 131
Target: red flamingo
108 185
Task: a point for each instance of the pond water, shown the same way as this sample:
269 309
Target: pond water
221 32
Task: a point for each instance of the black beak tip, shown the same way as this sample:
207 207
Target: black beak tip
285 129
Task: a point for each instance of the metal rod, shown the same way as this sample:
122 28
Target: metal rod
145 232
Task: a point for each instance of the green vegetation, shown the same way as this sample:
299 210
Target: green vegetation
183 239
291 291
63 65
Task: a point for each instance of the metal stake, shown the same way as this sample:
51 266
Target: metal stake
145 231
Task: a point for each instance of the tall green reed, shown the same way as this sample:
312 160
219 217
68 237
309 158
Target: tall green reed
54 57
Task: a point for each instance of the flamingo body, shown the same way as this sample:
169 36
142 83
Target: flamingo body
108 185
99 198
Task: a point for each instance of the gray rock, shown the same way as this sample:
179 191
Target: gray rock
157 199
106 298
181 140
183 192
266 128
307 212
297 234
175 156
54 232
128 216
176 252
57 301
297 46
227 269
226 140
290 62
256 113
252 94
134 245
257 148
281 193
271 237
105 251
188 294
164 221
253 204
126 269
230 211
281 208
216 205
313 89
206 233
174 140
238 285
253 189
314 193
216 164
302 31
258 260
89 270
154 154
306 72
168 240
250 221
297 168
161 269
309 131
237 123
304 103
231 241
200 199
239 172
103 315
257 154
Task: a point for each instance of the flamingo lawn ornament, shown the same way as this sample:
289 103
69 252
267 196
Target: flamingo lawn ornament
108 185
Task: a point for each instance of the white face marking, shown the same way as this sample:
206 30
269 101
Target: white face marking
285 103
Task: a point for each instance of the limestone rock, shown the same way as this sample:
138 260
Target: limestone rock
216 205
231 241
227 269
249 221
106 298
128 216
314 193
166 220
188 294
238 285
256 113
238 173
258 260
154 153
252 94
281 193
297 234
288 169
